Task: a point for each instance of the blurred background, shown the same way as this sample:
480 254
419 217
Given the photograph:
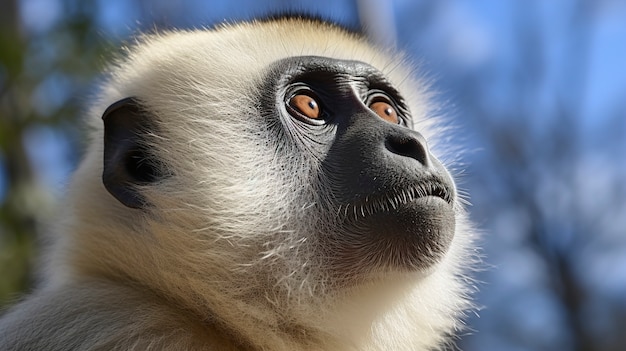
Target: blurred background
536 89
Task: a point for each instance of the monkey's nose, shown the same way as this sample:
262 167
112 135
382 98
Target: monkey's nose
412 145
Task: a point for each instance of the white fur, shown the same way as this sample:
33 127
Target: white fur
228 250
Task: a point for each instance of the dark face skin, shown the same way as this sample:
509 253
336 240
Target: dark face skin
391 200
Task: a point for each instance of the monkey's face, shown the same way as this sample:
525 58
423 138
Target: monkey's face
299 160
385 200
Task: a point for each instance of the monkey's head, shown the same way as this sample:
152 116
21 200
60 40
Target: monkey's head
273 172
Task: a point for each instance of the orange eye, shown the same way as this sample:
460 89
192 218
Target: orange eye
305 105
385 111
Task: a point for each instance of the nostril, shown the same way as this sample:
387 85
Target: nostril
408 146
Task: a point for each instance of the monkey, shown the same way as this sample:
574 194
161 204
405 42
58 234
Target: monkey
262 185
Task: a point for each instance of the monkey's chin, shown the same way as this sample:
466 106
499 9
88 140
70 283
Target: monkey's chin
412 236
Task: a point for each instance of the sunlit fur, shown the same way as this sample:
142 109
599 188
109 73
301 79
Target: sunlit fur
225 256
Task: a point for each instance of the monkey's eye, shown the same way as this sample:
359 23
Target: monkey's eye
304 105
384 107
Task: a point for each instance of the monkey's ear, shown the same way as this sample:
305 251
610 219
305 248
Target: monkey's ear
127 162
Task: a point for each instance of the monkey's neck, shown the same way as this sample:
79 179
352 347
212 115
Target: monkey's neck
368 317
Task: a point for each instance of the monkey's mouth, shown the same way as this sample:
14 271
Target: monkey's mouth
407 229
434 189
390 201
